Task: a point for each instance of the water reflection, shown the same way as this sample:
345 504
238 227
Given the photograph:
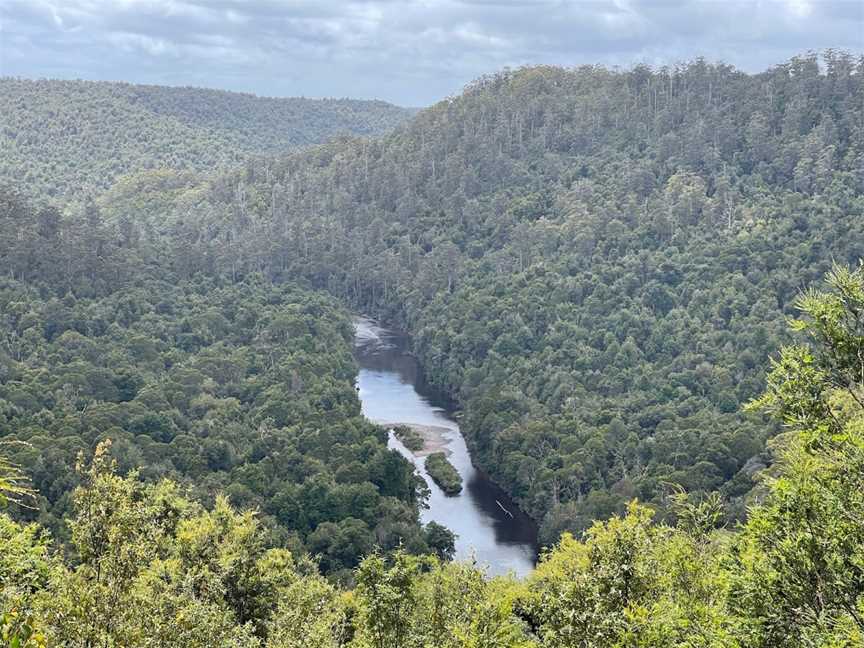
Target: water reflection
489 526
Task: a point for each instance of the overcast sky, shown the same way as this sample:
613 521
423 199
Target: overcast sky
411 52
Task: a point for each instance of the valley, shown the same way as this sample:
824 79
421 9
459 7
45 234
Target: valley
606 390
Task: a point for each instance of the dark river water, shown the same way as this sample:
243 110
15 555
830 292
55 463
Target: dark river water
392 391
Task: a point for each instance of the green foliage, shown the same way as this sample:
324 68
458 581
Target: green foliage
441 541
74 138
19 633
409 437
311 614
633 583
413 602
14 486
26 569
800 578
155 569
443 473
152 567
594 264
387 600
243 387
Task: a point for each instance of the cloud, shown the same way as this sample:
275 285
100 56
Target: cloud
411 52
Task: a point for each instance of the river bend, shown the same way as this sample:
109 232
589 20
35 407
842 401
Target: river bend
489 527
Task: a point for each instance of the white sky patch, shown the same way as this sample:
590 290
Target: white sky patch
58 19
235 17
799 8
474 35
214 40
152 46
226 53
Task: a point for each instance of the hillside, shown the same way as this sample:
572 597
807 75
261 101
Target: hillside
595 264
150 567
598 266
71 138
243 388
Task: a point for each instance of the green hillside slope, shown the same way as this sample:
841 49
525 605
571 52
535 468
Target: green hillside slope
69 138
243 388
595 264
150 567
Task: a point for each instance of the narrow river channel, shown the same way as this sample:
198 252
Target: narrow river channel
489 527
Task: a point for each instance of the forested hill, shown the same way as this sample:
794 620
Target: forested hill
68 138
596 264
240 387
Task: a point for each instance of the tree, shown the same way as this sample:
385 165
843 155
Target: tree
441 541
14 484
801 555
27 567
387 601
311 614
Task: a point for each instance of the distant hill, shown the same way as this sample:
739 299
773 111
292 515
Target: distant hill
595 264
68 138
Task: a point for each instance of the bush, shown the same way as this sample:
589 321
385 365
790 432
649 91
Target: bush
443 473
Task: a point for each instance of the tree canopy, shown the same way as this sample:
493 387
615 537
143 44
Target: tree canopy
73 138
596 265
151 567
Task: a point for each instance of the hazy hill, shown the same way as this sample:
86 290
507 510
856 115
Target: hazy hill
68 138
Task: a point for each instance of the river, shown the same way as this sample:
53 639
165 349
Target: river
489 527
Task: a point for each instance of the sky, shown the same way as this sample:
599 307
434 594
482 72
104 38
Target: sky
410 52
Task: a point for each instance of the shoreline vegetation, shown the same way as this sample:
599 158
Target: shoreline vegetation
614 273
410 438
443 473
429 441
422 440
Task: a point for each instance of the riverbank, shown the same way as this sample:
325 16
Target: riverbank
435 438
489 527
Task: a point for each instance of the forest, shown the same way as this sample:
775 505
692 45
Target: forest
600 268
149 566
595 265
73 139
243 388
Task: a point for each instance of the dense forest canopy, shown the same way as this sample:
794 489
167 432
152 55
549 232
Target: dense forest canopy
74 138
596 265
244 388
154 568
